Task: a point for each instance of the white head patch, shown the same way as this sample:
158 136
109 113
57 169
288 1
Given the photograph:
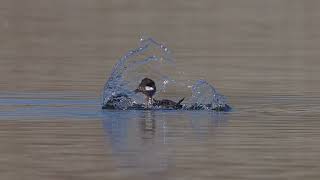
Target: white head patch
149 88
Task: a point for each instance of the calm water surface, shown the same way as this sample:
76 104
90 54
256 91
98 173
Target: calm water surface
263 55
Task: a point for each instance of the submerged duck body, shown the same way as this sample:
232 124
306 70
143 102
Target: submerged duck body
168 104
113 102
164 104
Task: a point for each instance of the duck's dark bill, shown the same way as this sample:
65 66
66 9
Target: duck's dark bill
124 103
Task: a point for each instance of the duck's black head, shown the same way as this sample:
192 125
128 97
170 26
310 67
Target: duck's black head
147 87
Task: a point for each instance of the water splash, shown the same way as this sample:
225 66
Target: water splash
205 96
153 60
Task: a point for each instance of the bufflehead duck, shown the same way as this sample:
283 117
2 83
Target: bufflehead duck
148 88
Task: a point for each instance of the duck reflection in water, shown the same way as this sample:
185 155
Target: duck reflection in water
135 139
148 125
145 139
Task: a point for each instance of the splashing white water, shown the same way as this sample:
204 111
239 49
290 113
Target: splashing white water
153 60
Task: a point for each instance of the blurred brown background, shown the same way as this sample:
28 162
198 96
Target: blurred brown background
261 46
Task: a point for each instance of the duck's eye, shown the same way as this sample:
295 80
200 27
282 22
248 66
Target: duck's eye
149 88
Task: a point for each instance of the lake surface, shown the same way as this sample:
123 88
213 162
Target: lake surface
55 57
